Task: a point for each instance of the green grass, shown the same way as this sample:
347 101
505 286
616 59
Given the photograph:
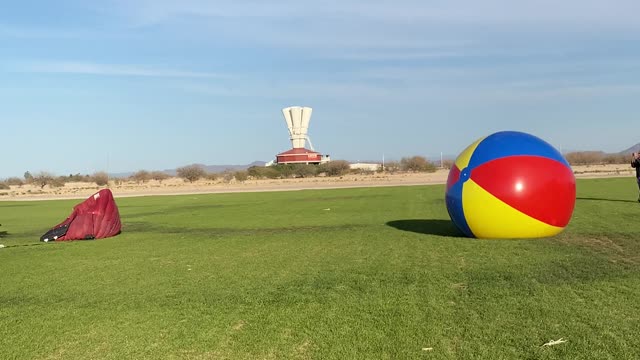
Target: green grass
368 273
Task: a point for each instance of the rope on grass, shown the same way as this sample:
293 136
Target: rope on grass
555 342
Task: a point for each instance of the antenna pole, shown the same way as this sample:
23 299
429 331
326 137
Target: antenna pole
310 144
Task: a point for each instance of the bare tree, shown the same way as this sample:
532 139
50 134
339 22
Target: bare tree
14 181
335 168
42 179
392 166
227 176
241 175
159 175
101 178
28 177
141 176
417 163
448 163
191 172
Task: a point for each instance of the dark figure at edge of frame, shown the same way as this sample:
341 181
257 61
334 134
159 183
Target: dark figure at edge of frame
635 162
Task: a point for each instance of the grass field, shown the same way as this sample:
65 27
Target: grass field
368 273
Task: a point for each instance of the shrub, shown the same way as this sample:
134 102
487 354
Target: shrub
392 166
79 178
304 170
261 172
584 157
285 170
448 164
159 175
101 178
335 168
58 181
141 176
191 172
42 179
227 176
241 175
14 181
616 159
417 163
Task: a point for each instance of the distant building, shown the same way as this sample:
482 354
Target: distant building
366 166
300 155
297 119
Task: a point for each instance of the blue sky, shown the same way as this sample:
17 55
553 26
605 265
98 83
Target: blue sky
124 85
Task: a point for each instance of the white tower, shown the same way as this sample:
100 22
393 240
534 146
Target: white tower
297 118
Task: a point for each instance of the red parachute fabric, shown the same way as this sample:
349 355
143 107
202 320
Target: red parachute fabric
95 218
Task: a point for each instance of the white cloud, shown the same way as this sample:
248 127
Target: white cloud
88 68
615 13
7 31
288 89
386 30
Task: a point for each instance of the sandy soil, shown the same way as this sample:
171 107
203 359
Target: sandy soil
175 186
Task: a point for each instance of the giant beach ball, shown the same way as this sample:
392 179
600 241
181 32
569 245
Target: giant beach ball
510 185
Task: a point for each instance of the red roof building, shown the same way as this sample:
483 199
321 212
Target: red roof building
301 156
297 119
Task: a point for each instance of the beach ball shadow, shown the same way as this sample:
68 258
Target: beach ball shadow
427 226
603 199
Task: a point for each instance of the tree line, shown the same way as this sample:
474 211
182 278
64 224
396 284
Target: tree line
192 173
596 158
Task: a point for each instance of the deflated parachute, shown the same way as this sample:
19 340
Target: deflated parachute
95 218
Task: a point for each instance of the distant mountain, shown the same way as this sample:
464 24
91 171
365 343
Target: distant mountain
220 168
634 148
207 168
